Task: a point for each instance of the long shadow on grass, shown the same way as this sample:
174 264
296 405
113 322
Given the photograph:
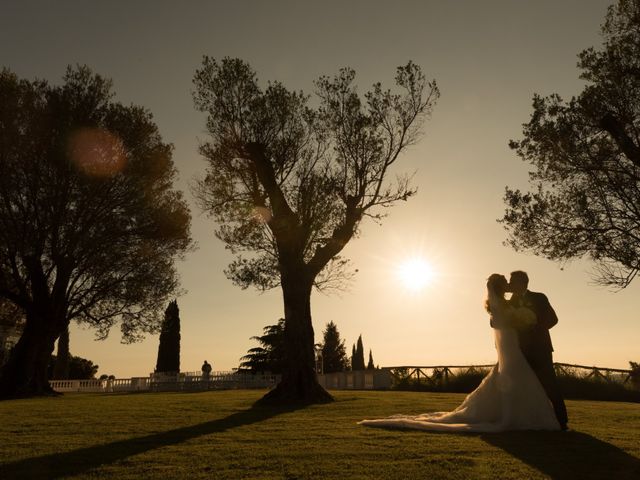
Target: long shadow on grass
567 455
58 465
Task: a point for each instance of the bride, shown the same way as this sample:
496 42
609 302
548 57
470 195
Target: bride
510 397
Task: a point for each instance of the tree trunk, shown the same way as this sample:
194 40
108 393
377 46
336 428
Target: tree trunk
25 373
63 357
299 384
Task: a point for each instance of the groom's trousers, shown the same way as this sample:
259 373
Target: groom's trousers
542 364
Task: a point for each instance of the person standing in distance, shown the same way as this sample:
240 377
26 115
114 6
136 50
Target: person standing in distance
206 370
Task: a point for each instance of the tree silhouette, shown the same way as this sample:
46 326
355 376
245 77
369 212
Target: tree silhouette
89 224
290 184
79 368
269 356
169 346
334 354
585 198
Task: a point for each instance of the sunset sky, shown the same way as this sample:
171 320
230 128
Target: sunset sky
488 58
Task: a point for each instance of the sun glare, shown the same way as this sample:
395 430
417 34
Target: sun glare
415 274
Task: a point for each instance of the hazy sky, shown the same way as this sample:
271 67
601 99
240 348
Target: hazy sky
488 58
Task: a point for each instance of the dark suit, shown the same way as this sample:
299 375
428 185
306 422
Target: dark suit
536 347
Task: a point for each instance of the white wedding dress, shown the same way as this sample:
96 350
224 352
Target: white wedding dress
510 397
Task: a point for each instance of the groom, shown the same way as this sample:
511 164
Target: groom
535 341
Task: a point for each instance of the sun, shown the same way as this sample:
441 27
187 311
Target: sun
415 274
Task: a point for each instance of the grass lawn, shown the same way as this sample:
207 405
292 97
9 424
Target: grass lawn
219 435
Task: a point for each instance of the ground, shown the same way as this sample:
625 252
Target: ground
219 435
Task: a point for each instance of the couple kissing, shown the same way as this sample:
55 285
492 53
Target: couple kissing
521 391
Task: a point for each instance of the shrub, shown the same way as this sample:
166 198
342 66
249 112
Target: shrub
595 387
573 384
464 381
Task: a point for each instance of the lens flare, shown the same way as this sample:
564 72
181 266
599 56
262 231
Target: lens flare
261 214
97 152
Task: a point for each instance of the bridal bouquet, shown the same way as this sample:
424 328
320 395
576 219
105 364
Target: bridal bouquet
523 317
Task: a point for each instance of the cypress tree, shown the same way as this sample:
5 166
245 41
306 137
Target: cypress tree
169 348
370 365
359 357
353 357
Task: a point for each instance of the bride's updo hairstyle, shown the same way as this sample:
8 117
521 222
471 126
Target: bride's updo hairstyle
496 284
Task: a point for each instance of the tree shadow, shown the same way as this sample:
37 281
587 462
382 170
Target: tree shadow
57 465
567 455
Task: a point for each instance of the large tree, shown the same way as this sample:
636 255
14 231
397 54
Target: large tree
585 153
334 354
90 225
169 345
290 183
